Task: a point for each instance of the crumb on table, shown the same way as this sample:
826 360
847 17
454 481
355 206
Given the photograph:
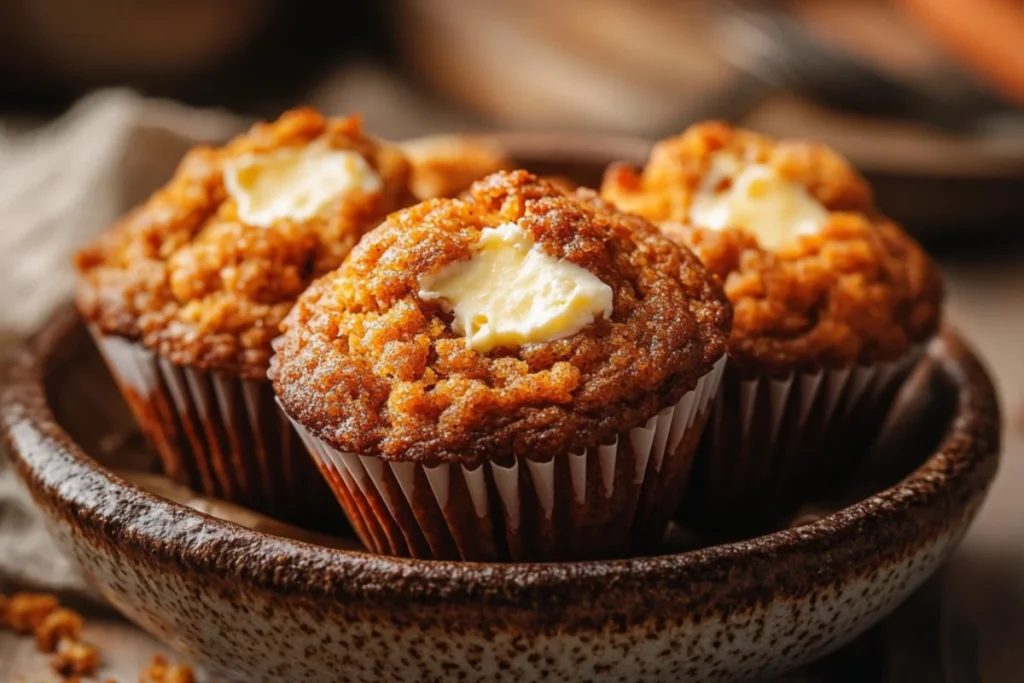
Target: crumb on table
60 624
26 611
160 671
75 658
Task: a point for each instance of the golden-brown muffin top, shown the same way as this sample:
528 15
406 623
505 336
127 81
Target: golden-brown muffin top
445 165
204 275
373 367
845 286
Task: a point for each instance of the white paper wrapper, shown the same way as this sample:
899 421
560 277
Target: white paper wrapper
610 500
772 443
221 435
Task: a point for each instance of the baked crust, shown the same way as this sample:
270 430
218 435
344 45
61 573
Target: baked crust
445 165
373 369
186 277
859 291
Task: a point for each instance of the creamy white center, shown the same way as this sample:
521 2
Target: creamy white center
295 183
755 198
511 292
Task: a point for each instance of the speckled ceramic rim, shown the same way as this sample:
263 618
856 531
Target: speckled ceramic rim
68 484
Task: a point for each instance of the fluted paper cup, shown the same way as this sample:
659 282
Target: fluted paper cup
773 444
611 500
222 436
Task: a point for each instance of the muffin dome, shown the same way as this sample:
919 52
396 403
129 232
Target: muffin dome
818 278
206 269
373 361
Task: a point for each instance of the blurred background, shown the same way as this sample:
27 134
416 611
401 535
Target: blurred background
99 98
918 93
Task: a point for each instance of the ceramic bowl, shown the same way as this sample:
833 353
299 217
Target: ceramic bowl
254 607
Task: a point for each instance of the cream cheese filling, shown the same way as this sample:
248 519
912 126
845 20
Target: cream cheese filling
511 292
295 183
755 198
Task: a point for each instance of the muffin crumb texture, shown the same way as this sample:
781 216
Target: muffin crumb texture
372 367
189 278
857 289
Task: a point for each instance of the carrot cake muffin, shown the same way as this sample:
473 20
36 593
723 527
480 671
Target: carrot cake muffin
516 374
445 165
185 293
832 301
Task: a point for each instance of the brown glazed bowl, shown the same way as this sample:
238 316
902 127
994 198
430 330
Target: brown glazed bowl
254 607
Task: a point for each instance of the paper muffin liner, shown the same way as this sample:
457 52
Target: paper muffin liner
222 436
773 444
608 501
